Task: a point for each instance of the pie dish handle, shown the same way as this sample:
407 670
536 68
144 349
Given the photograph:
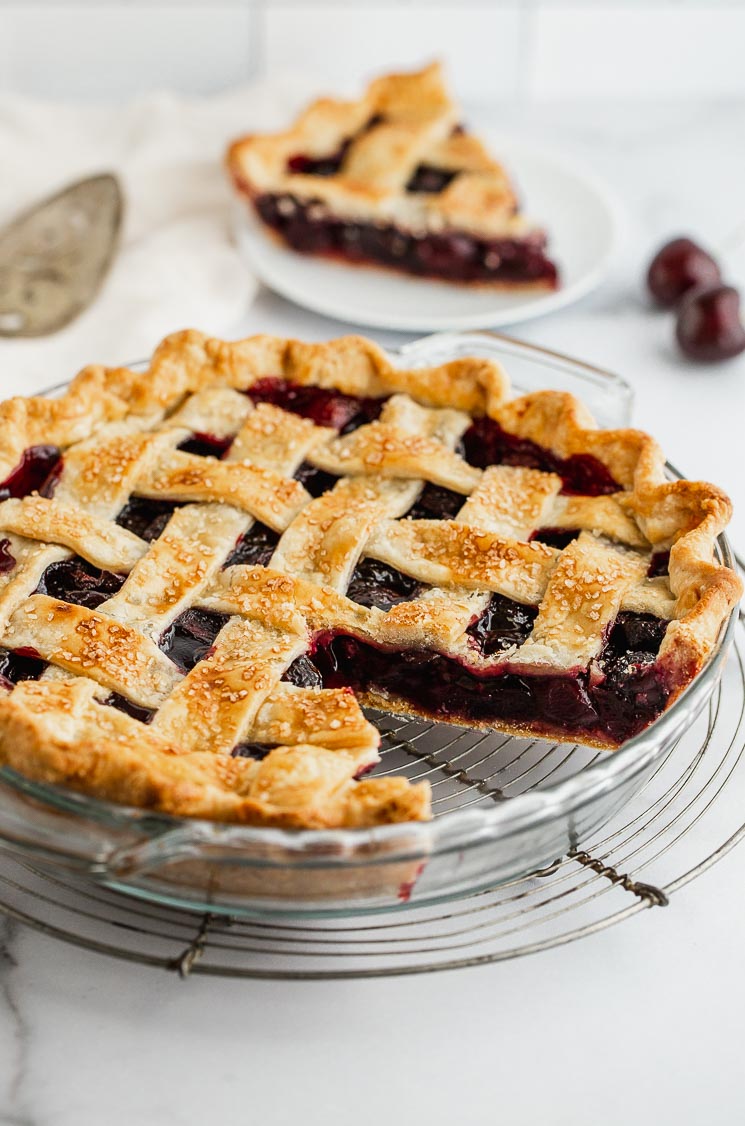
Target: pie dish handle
185 842
50 824
608 395
267 847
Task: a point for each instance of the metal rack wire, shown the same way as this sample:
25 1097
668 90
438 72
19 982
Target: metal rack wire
686 818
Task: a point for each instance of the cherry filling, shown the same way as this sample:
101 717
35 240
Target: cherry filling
122 704
504 624
305 165
256 751
20 664
303 673
145 517
631 688
206 445
7 559
436 503
486 443
659 564
377 584
427 178
37 472
456 256
555 537
316 481
254 548
322 405
77 582
190 637
623 694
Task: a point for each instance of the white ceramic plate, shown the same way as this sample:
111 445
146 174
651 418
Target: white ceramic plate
580 214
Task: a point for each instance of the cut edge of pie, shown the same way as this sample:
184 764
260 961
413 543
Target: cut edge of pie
250 733
394 180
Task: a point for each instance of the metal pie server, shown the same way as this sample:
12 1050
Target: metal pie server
54 257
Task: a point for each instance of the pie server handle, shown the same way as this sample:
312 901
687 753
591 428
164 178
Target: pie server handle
54 257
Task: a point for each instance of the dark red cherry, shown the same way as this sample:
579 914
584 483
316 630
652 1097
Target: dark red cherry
677 267
709 327
445 252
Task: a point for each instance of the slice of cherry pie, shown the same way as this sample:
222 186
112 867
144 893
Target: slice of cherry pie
206 568
393 179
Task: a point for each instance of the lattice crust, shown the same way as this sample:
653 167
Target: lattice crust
120 430
401 122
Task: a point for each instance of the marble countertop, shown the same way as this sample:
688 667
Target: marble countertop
640 1021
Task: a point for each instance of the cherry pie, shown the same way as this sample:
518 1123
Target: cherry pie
205 568
393 179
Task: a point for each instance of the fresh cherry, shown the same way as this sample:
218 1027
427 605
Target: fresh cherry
677 267
709 327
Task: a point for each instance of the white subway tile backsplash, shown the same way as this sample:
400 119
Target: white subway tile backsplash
345 45
79 51
625 50
493 50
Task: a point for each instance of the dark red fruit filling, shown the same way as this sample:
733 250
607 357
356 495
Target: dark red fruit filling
304 165
122 704
146 518
256 751
634 634
75 581
303 674
20 664
306 226
659 564
189 639
502 625
377 584
255 548
427 178
316 481
622 697
206 445
7 560
555 537
486 443
324 406
37 472
632 692
436 503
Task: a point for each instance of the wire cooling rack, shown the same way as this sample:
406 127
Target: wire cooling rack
688 816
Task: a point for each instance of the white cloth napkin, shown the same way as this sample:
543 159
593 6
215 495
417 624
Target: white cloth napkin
176 266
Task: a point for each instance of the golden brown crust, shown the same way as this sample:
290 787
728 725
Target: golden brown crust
58 728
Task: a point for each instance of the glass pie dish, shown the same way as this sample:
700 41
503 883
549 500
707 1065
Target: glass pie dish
504 806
